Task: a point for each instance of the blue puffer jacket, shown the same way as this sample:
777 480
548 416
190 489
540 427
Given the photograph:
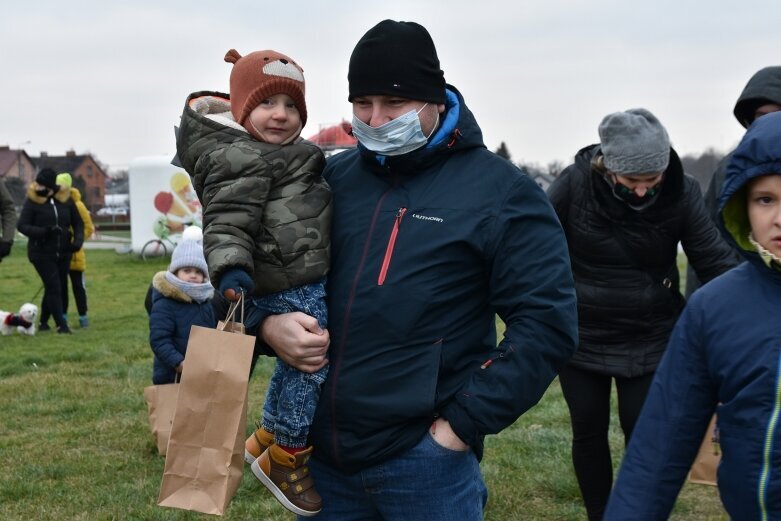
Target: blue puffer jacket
724 356
173 312
427 248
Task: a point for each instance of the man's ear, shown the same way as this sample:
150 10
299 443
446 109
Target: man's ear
441 108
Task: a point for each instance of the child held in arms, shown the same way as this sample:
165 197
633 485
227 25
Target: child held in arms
267 218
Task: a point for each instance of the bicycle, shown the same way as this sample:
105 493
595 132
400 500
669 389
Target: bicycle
157 248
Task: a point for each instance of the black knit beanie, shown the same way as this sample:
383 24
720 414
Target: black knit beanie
48 178
396 59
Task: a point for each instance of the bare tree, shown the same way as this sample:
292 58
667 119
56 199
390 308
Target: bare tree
555 167
702 166
502 151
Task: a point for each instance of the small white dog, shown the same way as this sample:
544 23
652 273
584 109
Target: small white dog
24 321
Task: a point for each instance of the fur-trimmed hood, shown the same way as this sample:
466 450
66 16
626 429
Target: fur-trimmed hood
62 195
75 194
217 107
168 290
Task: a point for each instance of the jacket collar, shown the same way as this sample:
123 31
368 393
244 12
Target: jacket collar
62 195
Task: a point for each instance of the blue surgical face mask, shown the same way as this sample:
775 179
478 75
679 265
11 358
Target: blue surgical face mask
394 138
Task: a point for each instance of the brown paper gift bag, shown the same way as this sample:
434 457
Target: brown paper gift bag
161 403
205 459
706 463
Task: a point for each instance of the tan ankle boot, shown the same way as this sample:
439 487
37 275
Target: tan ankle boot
287 477
258 442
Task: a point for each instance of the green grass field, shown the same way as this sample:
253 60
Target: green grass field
74 436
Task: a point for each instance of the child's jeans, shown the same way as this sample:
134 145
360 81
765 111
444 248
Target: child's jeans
292 395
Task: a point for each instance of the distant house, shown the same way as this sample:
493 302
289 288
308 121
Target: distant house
88 176
16 163
543 180
334 138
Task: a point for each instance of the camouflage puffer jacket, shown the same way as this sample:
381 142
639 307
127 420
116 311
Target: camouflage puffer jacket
266 208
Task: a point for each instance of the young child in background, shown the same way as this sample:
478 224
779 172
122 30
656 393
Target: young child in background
79 260
267 218
181 298
724 355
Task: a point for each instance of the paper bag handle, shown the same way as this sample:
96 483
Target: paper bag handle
232 312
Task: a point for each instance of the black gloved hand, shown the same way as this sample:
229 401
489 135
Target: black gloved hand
5 248
53 231
234 281
76 246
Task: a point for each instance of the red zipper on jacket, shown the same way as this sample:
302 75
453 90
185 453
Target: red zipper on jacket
391 246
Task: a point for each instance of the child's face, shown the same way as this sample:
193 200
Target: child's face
764 211
189 274
275 119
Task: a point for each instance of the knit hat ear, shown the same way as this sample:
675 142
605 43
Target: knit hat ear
188 254
260 75
47 178
396 59
634 142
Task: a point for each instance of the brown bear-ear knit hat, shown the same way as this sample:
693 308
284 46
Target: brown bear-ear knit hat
260 75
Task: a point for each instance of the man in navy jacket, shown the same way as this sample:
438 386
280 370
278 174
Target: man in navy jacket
433 236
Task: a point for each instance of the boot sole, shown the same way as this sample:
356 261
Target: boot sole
249 459
283 500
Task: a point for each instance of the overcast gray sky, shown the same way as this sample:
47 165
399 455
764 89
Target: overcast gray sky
111 78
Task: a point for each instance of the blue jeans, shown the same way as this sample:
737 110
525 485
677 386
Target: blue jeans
292 395
429 482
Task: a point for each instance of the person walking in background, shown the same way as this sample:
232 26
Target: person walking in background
7 221
55 230
625 204
723 357
79 260
267 225
181 298
433 237
761 96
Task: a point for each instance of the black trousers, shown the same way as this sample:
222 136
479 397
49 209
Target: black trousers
588 398
79 292
53 271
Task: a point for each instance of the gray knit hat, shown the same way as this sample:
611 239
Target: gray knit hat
634 142
188 253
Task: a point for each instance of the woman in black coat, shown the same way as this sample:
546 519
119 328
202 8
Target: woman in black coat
625 204
55 230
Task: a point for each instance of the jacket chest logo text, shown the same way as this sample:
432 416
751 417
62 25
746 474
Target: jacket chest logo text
427 218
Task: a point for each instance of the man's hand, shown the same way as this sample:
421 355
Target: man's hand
297 340
444 435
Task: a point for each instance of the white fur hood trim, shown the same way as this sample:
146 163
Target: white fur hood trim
216 109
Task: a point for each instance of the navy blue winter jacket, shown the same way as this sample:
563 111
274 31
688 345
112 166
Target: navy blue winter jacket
427 248
724 356
173 313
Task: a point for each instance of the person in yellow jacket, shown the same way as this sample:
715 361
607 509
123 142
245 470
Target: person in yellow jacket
79 259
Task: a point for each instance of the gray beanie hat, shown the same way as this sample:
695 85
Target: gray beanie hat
188 253
634 142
